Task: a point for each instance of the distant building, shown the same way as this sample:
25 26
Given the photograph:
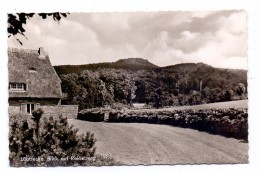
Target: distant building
33 83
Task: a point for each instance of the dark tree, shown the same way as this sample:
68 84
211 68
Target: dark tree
175 92
16 22
228 95
131 91
158 97
36 116
240 89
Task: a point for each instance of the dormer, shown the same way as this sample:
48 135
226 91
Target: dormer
32 69
17 86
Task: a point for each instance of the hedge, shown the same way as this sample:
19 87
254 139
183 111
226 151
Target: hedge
95 115
231 122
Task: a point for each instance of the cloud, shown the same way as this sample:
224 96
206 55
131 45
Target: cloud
164 38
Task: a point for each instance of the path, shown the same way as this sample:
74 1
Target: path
136 143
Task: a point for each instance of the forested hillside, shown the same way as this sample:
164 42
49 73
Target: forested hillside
127 64
137 80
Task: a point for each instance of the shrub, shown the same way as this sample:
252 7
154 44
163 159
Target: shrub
51 143
95 115
113 116
120 106
228 122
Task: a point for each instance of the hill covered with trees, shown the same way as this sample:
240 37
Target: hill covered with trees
137 80
127 64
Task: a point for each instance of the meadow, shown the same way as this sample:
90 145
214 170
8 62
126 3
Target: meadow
136 137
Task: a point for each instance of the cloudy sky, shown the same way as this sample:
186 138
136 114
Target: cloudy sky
218 38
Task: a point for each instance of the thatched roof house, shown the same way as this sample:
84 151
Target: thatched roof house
33 69
32 79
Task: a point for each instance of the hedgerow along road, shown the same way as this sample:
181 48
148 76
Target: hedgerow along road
136 143
140 143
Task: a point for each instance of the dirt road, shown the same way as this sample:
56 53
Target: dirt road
134 143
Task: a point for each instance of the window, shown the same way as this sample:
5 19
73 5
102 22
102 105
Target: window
17 86
30 108
64 95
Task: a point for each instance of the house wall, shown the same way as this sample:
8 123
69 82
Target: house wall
14 110
41 101
69 111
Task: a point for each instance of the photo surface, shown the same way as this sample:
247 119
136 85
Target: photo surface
128 88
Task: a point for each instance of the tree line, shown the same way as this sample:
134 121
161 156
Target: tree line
186 84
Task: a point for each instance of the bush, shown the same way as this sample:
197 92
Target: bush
51 143
120 106
227 122
95 115
113 116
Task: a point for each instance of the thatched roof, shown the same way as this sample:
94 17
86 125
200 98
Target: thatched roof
25 66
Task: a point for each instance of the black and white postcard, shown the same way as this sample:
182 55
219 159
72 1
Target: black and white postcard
128 88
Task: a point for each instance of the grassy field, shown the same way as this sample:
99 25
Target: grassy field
140 143
220 105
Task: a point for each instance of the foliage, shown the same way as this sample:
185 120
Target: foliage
57 144
16 22
240 89
91 115
119 106
158 97
36 116
179 85
126 64
228 122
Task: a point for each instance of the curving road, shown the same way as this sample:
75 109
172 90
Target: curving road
135 143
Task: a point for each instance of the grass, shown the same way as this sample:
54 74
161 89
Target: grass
220 105
141 143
